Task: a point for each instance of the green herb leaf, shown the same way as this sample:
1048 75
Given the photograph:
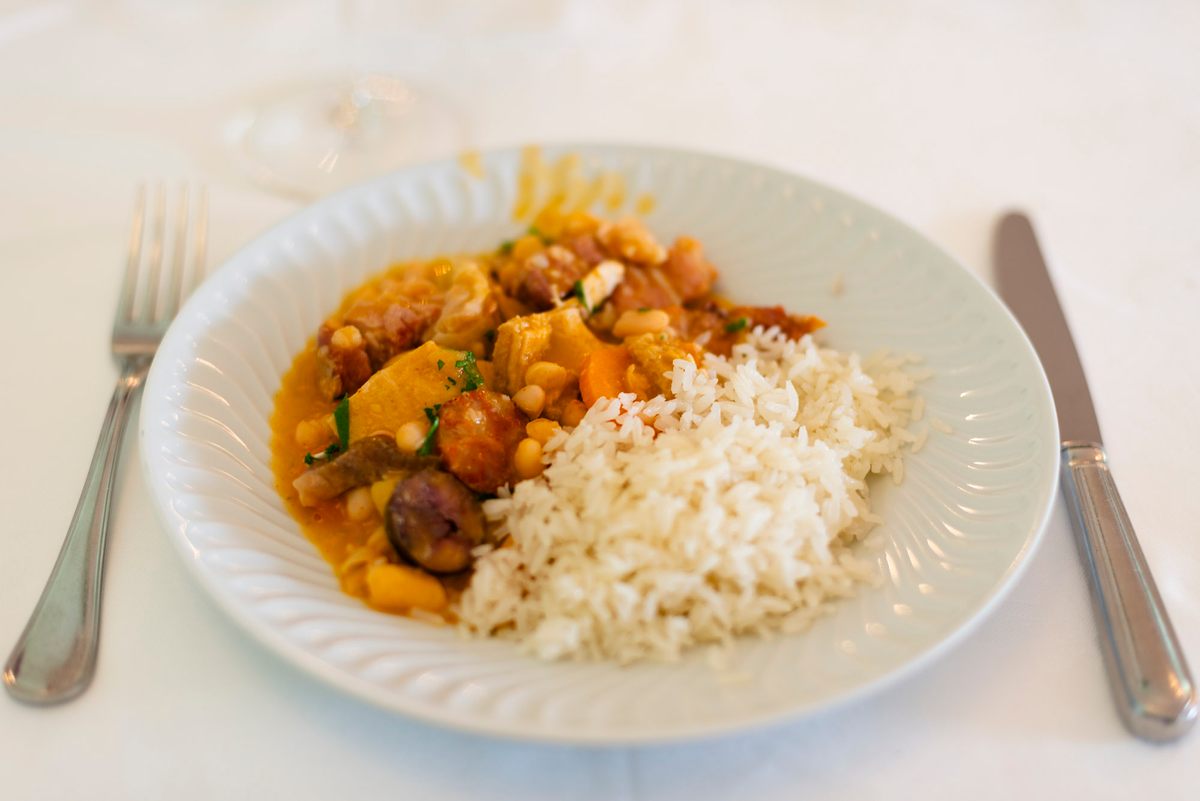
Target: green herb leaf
472 378
441 364
580 293
341 419
434 421
506 247
452 381
325 455
643 310
533 231
733 326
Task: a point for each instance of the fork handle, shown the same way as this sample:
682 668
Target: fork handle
1154 691
56 655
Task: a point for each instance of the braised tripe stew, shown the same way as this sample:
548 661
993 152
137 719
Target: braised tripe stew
436 384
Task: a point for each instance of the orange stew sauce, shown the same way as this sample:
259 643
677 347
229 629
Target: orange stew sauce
327 525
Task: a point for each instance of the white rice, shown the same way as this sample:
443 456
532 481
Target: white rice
734 512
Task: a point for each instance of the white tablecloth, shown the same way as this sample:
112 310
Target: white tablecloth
1086 115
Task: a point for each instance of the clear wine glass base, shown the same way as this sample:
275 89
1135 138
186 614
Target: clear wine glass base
312 141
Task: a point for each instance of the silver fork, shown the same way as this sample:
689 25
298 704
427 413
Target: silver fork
55 657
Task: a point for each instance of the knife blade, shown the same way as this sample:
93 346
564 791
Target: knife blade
1024 283
1154 690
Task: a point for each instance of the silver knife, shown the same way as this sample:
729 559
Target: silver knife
1154 690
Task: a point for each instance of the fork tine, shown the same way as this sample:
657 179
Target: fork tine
136 226
175 277
157 232
200 238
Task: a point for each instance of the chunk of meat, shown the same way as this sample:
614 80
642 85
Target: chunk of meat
685 276
381 323
793 326
342 362
520 342
434 521
644 288
542 279
695 320
718 328
585 247
364 462
688 271
558 336
655 354
477 436
630 241
471 310
392 327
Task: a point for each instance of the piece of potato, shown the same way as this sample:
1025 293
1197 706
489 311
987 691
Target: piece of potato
398 588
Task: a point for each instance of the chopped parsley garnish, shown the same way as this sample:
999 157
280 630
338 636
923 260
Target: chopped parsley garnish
581 293
434 421
472 379
506 247
441 364
324 455
733 326
533 231
451 381
643 310
341 419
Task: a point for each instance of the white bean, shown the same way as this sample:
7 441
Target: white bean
359 505
530 399
632 323
411 435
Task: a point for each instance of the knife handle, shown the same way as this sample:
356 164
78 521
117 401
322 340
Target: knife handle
1154 690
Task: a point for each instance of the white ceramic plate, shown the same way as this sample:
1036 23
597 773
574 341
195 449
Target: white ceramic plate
958 530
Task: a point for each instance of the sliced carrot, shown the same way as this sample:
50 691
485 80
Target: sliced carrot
602 374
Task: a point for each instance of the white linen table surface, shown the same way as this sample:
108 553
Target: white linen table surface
945 114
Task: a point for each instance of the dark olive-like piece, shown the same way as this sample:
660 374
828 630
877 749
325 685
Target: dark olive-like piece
434 520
